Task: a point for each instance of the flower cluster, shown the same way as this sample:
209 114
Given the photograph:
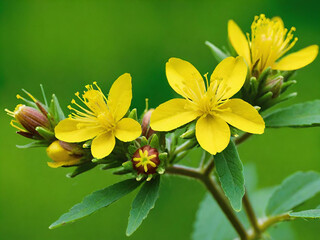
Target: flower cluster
101 130
213 113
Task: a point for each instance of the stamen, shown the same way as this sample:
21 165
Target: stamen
29 94
206 77
82 108
10 113
95 83
15 126
147 104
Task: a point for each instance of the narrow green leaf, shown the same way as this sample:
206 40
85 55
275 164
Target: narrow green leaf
44 95
142 204
96 200
313 213
81 169
230 171
218 54
56 110
293 191
34 144
298 115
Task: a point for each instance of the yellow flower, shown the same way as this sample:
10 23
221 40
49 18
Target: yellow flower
62 156
270 40
211 107
104 120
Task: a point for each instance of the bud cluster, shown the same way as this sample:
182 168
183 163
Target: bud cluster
268 88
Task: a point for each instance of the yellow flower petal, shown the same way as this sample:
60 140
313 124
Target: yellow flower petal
242 115
66 163
71 130
239 41
103 145
120 96
127 130
184 78
171 115
232 73
298 59
212 133
55 164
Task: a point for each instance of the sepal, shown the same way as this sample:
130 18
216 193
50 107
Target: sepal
133 114
218 54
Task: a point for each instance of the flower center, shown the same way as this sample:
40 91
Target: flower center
210 101
144 160
269 41
106 120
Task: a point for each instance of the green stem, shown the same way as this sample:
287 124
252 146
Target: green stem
242 138
268 222
211 185
246 202
251 215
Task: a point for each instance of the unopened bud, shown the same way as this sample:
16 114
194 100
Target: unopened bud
147 131
63 154
29 118
146 160
273 85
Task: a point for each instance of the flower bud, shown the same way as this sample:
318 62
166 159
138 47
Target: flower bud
64 154
146 160
147 131
29 118
273 85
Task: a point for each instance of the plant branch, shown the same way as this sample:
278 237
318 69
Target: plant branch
209 168
251 215
242 138
184 171
268 222
212 187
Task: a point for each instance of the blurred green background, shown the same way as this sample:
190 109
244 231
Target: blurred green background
67 44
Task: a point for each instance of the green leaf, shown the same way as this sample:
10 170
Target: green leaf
142 204
218 54
96 200
313 213
44 95
211 222
230 171
55 109
34 144
81 169
293 191
154 142
298 115
250 176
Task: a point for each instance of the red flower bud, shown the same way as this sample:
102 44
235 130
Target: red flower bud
29 118
146 160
